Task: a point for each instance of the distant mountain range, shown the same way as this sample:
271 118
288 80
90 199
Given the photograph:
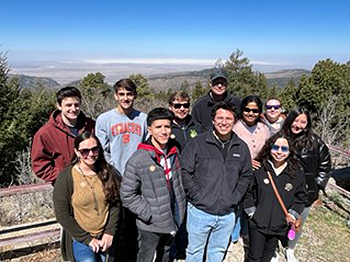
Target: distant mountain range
33 82
172 80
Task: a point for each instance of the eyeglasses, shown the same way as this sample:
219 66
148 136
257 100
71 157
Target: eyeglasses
86 151
178 105
254 110
284 149
268 107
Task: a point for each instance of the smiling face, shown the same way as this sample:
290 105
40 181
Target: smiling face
88 152
219 86
299 124
180 108
251 114
70 110
160 131
280 151
223 123
273 110
125 100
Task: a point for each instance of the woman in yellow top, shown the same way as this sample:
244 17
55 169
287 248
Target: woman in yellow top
86 201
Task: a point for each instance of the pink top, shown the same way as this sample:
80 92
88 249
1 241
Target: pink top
254 139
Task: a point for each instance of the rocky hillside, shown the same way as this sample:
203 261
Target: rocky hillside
33 82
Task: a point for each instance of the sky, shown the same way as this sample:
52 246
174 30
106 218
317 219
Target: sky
66 40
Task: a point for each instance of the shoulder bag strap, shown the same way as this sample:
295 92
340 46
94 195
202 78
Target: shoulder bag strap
275 190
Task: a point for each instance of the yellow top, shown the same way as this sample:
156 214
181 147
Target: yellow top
88 201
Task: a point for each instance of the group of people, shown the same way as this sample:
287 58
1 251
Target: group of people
168 185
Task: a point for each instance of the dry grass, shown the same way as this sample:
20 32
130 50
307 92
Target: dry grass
24 208
325 237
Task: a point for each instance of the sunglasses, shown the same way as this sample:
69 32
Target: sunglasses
272 106
254 110
284 149
178 106
86 151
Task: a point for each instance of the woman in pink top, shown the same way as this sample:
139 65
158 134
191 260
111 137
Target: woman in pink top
254 132
249 127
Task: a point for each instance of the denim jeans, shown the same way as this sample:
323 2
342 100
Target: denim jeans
204 228
241 226
83 253
304 214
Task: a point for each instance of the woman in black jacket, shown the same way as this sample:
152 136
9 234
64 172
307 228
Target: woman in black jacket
268 223
314 159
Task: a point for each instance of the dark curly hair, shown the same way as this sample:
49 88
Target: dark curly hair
305 138
265 152
108 177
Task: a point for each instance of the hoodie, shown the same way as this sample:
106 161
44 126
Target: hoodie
53 145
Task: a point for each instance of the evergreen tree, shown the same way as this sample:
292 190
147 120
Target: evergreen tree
198 91
143 87
185 86
96 93
242 80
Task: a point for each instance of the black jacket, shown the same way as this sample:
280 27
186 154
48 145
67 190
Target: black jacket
183 134
213 183
268 216
201 111
316 164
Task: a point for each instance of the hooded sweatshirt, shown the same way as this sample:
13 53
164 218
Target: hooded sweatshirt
53 145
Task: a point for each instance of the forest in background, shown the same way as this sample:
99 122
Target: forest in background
325 92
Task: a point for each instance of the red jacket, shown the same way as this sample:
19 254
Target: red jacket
53 145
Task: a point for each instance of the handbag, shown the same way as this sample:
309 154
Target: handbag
295 225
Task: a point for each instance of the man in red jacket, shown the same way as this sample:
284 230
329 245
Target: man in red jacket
53 144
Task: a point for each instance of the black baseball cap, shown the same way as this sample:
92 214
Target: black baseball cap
218 73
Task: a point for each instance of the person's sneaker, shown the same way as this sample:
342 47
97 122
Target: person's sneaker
290 255
275 257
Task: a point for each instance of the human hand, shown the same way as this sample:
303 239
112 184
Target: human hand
255 164
291 219
105 242
94 244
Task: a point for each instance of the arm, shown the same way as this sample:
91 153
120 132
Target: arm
43 159
324 165
130 192
244 178
188 162
248 200
101 132
113 219
300 197
196 115
112 224
62 194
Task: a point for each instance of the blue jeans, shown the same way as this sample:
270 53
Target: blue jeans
204 228
304 214
83 253
241 225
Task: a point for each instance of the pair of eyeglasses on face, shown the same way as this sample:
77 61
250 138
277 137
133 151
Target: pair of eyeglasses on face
86 151
276 107
178 105
254 110
284 149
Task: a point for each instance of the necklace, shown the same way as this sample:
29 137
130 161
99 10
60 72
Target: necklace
223 143
92 187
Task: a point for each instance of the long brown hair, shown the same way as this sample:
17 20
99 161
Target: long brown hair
108 178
